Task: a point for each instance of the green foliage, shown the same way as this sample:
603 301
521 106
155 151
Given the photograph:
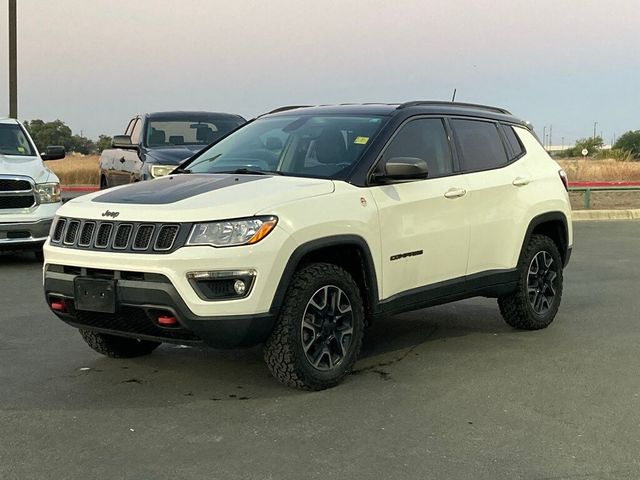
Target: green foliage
57 133
615 154
49 133
593 145
104 142
630 142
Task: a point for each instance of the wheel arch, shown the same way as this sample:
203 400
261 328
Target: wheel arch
555 226
350 252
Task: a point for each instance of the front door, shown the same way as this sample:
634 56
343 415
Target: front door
424 224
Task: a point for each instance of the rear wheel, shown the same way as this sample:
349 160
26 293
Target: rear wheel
117 347
535 302
318 334
103 183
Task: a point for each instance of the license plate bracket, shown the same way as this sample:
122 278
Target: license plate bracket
95 294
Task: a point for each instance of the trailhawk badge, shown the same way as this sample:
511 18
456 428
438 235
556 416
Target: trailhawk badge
108 213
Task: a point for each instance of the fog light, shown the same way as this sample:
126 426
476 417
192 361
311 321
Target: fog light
240 287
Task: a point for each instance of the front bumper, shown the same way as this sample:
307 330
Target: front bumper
24 235
140 299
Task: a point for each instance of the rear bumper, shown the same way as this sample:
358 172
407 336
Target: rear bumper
24 235
139 301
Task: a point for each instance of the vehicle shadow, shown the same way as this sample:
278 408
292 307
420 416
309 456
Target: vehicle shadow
175 374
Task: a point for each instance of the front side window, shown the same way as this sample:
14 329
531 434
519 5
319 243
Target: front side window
480 144
13 141
322 146
169 133
425 139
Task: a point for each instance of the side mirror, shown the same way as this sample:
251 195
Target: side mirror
122 141
53 152
403 168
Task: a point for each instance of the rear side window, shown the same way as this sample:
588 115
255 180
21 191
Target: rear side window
480 144
425 139
514 142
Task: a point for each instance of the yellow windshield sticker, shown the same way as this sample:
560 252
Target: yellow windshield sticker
361 140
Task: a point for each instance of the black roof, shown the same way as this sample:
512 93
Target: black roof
390 109
187 115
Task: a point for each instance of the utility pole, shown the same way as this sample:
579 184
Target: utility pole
544 136
13 61
550 135
594 129
562 148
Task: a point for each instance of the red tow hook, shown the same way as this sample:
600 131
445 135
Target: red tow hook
167 321
58 305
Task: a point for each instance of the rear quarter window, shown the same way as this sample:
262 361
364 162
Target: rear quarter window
515 145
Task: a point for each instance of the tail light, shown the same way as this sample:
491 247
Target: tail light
564 178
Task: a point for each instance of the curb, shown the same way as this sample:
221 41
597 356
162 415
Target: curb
589 215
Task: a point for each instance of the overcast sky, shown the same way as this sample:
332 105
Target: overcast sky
93 64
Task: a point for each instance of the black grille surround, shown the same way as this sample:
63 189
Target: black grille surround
13 184
122 237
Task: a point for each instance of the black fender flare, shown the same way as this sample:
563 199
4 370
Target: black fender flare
544 218
369 271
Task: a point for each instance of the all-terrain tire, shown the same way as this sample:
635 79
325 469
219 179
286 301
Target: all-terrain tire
117 347
517 308
284 351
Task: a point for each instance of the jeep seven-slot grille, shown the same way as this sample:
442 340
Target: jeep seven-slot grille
116 236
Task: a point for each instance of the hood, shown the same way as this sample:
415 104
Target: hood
172 155
27 167
196 197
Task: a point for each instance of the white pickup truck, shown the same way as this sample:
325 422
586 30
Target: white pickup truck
29 191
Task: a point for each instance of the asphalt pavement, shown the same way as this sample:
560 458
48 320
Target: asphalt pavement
449 392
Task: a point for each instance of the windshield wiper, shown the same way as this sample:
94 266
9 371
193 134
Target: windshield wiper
249 171
180 170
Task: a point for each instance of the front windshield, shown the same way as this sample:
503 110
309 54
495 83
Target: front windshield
171 133
13 141
323 146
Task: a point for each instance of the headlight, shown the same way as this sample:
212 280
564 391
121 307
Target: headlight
48 192
227 233
161 170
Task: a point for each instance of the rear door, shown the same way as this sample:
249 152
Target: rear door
497 183
424 224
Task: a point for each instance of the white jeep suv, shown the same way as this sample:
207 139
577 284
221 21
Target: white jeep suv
29 192
306 224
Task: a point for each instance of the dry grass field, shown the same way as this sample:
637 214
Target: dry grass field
580 170
76 169
83 170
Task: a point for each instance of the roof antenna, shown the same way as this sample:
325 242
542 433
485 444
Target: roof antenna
453 99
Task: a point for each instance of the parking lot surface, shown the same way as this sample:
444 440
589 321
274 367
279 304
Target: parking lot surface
449 392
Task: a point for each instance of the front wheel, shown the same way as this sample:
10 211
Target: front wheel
534 303
318 334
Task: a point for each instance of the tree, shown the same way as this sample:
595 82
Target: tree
590 143
49 133
104 142
82 145
630 142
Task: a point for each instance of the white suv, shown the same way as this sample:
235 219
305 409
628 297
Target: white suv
306 224
29 192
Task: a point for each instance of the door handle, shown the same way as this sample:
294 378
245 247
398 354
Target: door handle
520 181
455 193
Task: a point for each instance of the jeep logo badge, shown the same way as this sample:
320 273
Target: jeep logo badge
107 213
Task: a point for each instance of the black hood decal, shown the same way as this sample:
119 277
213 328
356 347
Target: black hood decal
173 188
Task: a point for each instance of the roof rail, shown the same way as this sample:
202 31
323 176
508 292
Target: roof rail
285 108
453 104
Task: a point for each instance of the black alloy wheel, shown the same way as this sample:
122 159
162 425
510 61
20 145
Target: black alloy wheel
327 328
